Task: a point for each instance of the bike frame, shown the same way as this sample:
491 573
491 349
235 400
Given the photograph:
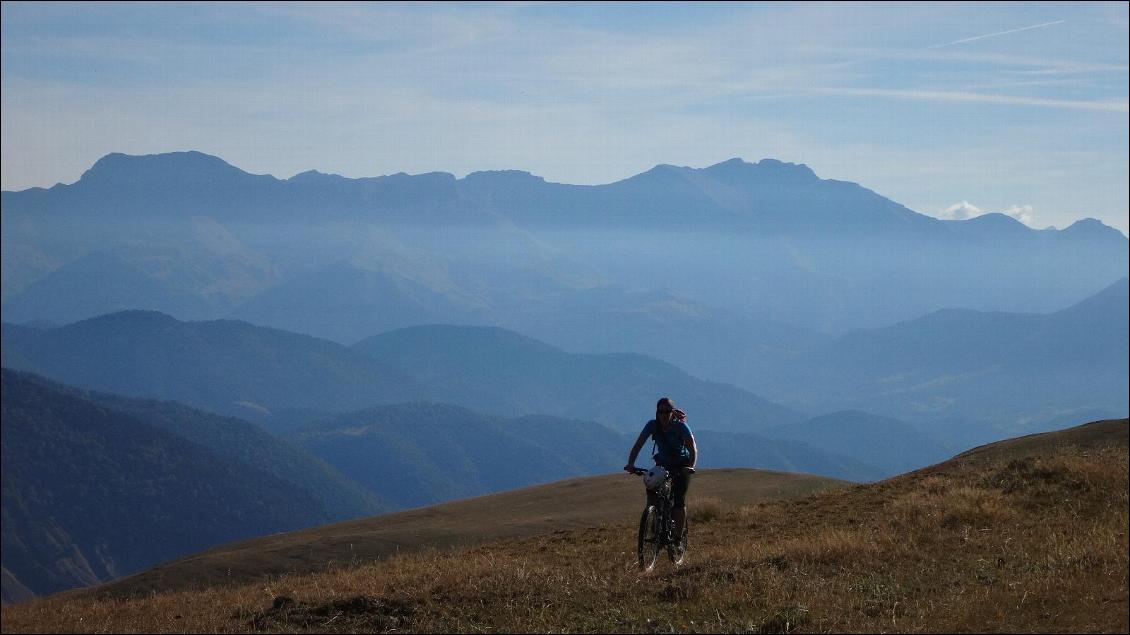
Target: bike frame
657 527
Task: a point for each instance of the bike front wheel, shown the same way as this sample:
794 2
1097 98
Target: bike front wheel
649 538
678 551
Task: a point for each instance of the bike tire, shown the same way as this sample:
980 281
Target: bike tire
678 552
650 537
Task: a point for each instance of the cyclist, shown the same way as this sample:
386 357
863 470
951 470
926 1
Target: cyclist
675 450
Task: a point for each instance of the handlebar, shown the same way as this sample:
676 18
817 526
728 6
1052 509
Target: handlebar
639 471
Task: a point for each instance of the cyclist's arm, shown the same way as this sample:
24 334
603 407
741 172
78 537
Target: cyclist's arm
692 447
636 449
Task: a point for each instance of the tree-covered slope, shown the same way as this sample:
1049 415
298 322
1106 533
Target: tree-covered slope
91 493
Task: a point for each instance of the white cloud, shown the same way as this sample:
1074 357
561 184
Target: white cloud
966 210
960 211
1023 213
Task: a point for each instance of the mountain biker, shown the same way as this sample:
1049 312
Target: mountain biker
675 450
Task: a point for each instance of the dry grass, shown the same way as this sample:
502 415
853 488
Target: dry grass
1009 543
705 509
570 504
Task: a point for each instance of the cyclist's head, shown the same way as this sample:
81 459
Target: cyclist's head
663 409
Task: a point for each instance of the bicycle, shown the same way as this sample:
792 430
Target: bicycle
657 527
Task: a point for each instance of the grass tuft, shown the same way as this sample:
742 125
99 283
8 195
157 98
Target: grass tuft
786 619
705 510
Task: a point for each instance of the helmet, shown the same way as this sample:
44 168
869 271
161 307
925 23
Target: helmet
655 477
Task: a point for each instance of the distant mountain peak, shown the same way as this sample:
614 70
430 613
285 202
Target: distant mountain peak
662 173
994 217
436 178
117 166
771 168
131 316
188 158
667 167
314 176
997 221
730 163
504 175
1091 227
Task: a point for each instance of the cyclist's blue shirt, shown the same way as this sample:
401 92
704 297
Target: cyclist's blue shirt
669 448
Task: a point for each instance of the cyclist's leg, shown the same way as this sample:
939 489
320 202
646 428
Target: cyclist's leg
679 510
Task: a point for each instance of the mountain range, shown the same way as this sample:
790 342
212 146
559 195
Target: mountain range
961 377
724 270
244 370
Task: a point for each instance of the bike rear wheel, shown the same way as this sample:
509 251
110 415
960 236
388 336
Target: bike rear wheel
649 538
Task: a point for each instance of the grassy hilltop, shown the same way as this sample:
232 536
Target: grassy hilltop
1023 535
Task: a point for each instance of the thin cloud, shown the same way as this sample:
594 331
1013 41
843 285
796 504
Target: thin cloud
989 35
962 96
1032 65
1076 68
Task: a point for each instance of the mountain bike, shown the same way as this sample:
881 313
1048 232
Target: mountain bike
657 527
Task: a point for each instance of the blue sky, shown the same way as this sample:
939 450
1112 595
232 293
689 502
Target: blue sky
949 108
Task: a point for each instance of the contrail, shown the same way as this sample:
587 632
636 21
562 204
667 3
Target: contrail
981 37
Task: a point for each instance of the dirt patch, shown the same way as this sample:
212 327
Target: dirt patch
378 615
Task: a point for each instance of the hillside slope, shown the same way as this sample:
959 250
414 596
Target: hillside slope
224 366
494 370
1000 373
426 453
891 445
564 505
422 454
1019 536
92 493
